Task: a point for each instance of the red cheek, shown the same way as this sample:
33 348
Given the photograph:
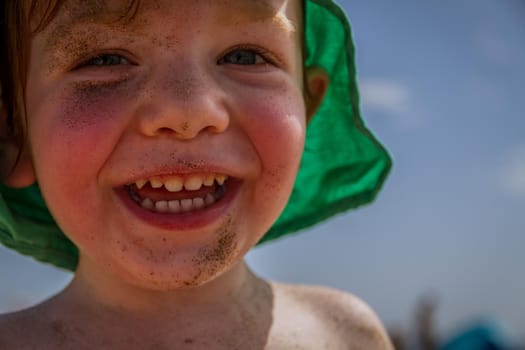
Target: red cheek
92 105
83 125
276 126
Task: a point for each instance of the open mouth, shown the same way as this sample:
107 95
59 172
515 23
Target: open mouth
178 194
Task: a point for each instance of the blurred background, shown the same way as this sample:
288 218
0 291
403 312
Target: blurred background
439 255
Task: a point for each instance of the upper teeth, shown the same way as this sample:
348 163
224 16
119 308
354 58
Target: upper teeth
177 183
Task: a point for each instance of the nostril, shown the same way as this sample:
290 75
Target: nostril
214 129
165 130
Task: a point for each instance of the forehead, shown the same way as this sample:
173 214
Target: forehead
284 13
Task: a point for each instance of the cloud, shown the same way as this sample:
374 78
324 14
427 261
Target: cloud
383 95
513 174
392 98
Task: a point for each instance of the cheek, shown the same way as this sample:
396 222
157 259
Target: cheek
276 127
77 129
72 133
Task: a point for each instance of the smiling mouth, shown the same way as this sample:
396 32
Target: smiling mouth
178 194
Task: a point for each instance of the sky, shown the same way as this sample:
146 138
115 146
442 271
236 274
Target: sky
442 86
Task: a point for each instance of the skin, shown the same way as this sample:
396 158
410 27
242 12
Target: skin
174 102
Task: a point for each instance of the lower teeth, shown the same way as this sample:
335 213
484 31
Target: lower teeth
177 206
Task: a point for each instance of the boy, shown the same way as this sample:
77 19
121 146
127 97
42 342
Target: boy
166 137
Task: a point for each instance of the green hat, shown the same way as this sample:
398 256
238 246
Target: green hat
343 165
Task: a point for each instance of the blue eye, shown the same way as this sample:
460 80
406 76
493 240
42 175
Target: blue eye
106 60
243 57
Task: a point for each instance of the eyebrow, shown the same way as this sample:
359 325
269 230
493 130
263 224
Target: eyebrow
257 11
80 13
91 10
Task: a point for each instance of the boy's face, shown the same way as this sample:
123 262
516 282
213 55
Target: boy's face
181 90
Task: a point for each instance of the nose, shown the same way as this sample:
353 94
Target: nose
183 105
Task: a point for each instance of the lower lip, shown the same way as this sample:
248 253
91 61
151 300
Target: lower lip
183 221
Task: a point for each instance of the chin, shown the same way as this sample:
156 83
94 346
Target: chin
183 271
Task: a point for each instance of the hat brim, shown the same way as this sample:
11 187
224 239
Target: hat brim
343 165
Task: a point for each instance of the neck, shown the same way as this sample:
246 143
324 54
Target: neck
236 307
97 291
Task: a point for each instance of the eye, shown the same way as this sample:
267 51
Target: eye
104 60
245 57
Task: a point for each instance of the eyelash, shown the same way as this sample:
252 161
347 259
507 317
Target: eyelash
264 54
90 61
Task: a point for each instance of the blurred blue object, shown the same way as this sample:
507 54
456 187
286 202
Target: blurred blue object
482 336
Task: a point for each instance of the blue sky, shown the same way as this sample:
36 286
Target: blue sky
442 85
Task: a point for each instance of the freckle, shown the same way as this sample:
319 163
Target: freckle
213 260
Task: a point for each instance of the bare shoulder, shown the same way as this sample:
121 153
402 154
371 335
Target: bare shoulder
344 320
14 328
23 329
